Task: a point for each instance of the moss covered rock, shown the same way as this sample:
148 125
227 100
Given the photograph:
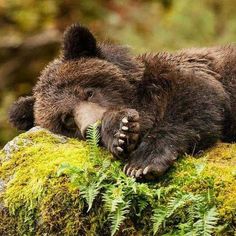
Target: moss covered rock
52 185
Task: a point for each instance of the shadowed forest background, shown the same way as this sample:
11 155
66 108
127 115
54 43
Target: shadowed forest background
31 30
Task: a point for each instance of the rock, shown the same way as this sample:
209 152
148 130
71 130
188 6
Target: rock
52 185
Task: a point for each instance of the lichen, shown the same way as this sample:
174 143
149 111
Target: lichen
43 189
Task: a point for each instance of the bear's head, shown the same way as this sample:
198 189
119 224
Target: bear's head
75 90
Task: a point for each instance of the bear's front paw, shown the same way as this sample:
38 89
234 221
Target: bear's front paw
126 138
120 131
148 167
150 171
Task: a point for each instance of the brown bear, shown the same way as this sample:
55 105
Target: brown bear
152 107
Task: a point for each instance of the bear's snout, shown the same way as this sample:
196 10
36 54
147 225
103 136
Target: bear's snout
86 114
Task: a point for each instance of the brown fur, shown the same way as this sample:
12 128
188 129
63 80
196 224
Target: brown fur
153 107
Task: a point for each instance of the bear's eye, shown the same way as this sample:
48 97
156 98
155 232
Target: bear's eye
89 93
68 121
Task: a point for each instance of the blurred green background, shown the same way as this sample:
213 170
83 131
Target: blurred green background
31 30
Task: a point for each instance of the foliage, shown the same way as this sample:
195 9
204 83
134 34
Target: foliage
201 220
54 185
57 186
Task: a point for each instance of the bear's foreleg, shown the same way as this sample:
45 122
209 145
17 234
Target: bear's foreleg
159 149
161 145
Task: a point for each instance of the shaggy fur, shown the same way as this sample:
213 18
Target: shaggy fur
152 108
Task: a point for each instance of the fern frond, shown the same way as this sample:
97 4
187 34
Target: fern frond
93 137
177 202
207 224
113 198
186 229
162 213
159 218
66 168
116 204
142 204
89 193
118 216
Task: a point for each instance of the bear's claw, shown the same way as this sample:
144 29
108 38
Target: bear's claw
121 142
125 120
125 128
151 171
119 149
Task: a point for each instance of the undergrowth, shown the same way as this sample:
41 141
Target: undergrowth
68 187
190 214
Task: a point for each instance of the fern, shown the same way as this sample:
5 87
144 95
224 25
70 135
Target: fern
118 216
93 138
201 221
159 218
89 185
117 203
89 193
113 197
177 202
65 168
90 189
162 213
207 223
142 205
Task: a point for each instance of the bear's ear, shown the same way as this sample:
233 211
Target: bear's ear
79 42
21 113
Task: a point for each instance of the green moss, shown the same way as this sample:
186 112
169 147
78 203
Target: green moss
57 186
213 172
32 171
